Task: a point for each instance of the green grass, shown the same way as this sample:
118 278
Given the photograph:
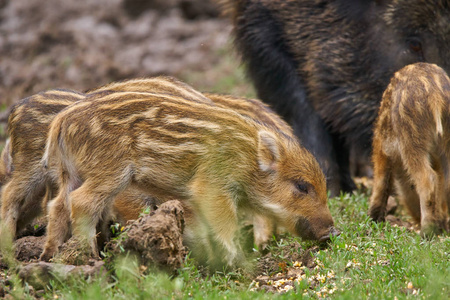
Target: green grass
368 260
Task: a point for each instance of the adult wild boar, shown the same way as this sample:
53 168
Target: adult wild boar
324 64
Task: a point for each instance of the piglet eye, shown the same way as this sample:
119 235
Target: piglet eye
415 45
302 187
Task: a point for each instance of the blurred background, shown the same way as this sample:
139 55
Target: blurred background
83 44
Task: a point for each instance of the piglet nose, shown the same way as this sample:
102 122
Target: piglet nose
332 232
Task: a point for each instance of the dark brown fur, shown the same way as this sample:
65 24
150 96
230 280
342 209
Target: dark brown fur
324 64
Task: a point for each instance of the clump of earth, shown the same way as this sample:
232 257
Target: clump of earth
155 239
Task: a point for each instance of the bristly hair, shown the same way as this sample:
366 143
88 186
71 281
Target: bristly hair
421 15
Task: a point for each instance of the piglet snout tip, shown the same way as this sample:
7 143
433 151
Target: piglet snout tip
332 232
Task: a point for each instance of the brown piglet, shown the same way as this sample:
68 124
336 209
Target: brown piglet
411 147
24 183
215 160
263 226
26 187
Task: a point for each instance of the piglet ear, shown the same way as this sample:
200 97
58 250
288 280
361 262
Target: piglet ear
268 151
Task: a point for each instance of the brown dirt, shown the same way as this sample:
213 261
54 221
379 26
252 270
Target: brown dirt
29 248
38 274
66 44
156 238
269 265
276 274
73 253
396 221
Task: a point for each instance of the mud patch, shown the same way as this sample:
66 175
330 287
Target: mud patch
63 44
29 248
398 222
156 239
270 264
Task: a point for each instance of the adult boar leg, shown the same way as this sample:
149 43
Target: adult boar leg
314 136
343 160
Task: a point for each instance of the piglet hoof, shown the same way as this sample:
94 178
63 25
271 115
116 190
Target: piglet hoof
377 214
263 248
430 230
46 255
333 232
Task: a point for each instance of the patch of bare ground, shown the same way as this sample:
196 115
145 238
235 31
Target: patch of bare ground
280 274
155 239
29 248
83 45
39 274
401 222
36 228
65 44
